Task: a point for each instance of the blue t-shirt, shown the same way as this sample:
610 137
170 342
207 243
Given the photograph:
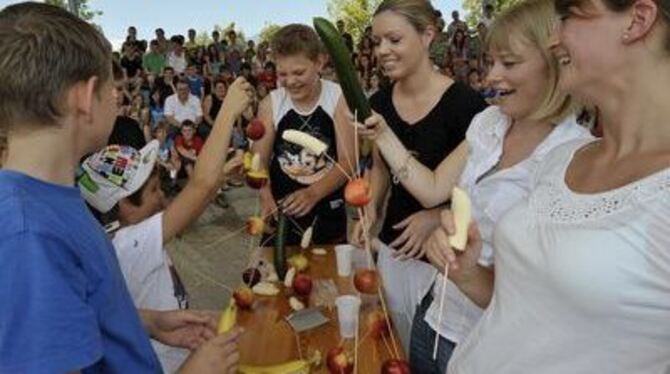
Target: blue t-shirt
195 84
65 305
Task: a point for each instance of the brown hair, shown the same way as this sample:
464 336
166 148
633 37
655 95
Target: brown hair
531 22
419 13
296 39
45 50
563 8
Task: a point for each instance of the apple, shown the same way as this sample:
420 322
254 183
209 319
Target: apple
299 262
339 361
395 366
366 281
251 276
255 226
256 179
302 284
255 129
244 297
378 324
357 192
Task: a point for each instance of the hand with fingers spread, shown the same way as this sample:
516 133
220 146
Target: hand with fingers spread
461 264
300 202
374 126
219 355
416 230
238 98
181 328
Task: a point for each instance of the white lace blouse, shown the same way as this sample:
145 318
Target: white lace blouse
582 281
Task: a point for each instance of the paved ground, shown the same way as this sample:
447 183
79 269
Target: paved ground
214 251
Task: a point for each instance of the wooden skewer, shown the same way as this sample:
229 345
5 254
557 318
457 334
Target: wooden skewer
337 165
356 145
439 322
380 291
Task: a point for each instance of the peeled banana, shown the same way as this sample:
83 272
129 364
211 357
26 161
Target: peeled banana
265 289
305 140
462 209
256 162
228 318
288 279
306 238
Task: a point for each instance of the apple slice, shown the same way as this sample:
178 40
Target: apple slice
357 192
256 179
462 209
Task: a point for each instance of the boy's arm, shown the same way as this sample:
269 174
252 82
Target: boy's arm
206 178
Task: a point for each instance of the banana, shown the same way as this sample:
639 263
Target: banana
247 160
306 238
305 140
265 289
291 367
295 304
462 208
288 279
228 318
256 162
319 252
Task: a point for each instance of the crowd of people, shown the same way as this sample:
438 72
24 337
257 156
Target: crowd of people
565 268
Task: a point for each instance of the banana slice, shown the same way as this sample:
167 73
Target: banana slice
288 279
462 209
255 162
265 289
305 140
319 252
306 238
296 304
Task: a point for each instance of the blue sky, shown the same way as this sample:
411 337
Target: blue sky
177 16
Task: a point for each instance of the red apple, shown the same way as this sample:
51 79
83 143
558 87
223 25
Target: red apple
302 284
255 129
357 192
251 276
339 361
255 226
395 366
244 297
257 179
366 281
378 324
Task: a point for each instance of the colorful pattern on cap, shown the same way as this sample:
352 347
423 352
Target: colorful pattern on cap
117 163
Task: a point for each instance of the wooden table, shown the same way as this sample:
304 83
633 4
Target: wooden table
269 339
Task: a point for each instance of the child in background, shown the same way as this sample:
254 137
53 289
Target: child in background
188 144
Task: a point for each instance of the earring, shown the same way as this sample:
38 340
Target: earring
626 37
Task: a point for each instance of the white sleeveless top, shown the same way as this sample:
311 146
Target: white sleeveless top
282 103
582 281
492 196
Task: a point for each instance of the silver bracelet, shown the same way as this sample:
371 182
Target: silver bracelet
402 173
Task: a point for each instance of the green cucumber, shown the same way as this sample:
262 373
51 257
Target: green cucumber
346 73
280 246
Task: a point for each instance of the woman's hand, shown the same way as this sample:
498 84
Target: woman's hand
373 127
417 229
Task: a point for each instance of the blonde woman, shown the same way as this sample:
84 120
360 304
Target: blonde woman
504 145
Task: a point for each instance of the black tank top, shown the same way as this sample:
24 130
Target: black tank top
216 106
430 140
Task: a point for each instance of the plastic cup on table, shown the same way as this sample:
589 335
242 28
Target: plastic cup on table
343 254
348 307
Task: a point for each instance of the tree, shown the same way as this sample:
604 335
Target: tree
356 14
203 39
268 31
474 8
84 11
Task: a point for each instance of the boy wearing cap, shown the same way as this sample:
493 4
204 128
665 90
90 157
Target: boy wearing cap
122 184
68 308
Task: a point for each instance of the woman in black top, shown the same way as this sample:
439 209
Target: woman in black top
430 114
211 106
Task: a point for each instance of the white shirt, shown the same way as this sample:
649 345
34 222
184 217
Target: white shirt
492 196
582 281
191 110
146 268
178 63
282 102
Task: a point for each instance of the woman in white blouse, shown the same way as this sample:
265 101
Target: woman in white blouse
582 280
504 145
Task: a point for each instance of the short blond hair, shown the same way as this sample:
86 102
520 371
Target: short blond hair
532 22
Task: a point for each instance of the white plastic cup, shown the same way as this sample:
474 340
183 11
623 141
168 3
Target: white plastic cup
348 307
343 258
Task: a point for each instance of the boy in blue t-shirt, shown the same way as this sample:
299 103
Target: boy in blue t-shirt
67 308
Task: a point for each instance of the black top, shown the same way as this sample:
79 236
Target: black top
430 140
127 131
214 110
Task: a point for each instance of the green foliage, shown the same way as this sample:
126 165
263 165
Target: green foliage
268 31
356 14
203 38
85 12
474 9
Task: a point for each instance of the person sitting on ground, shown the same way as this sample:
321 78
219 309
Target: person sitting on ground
189 145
